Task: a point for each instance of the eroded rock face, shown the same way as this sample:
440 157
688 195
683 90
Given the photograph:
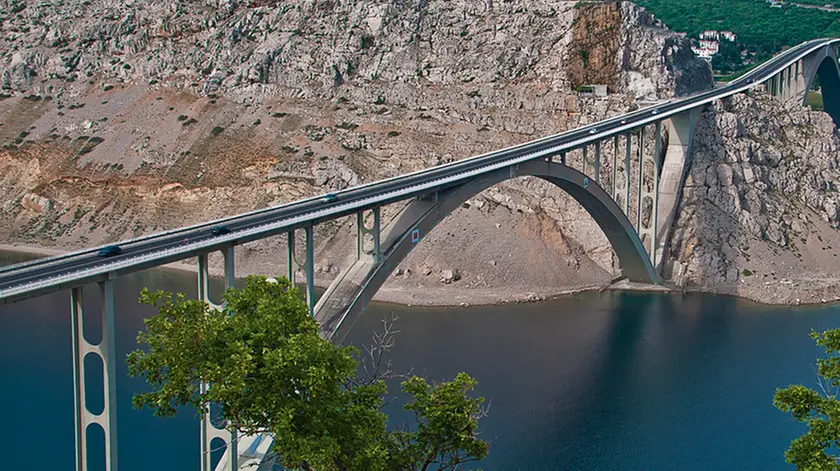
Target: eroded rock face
311 49
760 202
673 71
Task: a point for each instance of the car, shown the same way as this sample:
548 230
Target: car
593 131
623 121
220 230
750 80
654 112
329 197
109 251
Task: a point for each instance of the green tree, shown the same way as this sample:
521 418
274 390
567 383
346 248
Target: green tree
820 410
265 363
728 59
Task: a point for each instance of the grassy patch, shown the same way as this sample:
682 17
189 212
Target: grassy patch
815 101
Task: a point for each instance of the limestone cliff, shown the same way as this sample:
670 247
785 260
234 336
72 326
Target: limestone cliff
759 214
622 46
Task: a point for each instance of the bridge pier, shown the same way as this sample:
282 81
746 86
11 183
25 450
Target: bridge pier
674 168
307 266
648 232
598 163
208 430
641 180
106 352
362 230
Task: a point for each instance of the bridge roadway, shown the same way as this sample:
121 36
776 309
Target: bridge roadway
45 275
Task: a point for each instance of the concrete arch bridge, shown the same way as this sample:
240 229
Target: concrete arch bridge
624 174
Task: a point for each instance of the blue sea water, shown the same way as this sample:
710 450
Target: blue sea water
626 381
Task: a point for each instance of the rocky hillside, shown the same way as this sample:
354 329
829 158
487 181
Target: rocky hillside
759 214
125 118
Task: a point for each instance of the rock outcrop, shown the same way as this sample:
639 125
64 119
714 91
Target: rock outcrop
759 214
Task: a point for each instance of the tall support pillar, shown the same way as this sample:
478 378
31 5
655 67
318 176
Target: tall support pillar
615 168
208 430
584 160
781 76
563 158
105 350
649 192
641 179
672 172
362 230
657 159
790 86
598 162
307 266
628 144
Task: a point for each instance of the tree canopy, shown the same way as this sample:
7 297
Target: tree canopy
820 410
758 25
264 362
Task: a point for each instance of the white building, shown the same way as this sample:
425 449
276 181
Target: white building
710 45
710 34
728 35
703 53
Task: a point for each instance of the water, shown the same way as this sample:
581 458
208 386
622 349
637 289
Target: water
590 382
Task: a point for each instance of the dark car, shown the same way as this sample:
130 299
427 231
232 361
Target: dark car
110 251
329 197
221 230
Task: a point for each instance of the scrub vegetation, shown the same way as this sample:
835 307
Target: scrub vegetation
760 27
819 409
264 361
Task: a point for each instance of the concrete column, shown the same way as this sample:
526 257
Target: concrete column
307 266
584 160
207 430
791 83
672 175
598 162
310 269
615 168
654 211
628 144
290 259
374 232
641 178
106 351
563 158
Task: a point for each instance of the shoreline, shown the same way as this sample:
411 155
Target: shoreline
449 296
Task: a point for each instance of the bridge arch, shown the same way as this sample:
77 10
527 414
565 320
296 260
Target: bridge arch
344 301
823 64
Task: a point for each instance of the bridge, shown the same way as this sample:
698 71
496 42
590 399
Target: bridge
631 193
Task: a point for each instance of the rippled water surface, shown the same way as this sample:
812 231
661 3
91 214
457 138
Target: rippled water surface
590 382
